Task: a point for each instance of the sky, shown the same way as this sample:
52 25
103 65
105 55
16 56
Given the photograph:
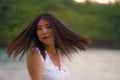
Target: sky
99 1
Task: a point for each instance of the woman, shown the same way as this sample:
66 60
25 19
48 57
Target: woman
47 41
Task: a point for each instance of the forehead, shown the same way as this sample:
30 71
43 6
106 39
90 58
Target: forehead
42 22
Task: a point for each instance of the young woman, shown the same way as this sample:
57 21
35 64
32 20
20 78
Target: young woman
47 41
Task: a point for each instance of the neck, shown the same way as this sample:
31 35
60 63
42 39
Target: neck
51 49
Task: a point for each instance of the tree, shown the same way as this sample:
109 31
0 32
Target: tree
117 2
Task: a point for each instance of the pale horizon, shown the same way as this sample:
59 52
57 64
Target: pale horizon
99 1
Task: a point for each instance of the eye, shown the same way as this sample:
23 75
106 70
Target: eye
39 28
48 26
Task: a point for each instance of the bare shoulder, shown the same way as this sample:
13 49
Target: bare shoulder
34 64
34 56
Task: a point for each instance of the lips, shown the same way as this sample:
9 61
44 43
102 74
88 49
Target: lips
46 37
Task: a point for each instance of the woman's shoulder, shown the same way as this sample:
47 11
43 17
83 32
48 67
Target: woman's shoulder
34 49
33 58
33 55
34 62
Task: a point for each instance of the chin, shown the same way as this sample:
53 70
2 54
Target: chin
46 43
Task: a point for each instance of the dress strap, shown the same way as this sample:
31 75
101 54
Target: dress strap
60 56
40 54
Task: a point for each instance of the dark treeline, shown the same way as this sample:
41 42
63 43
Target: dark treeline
101 22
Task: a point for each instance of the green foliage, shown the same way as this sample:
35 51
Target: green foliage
99 21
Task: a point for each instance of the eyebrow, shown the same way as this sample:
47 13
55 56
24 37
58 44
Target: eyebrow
39 25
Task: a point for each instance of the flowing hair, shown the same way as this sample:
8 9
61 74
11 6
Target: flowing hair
66 40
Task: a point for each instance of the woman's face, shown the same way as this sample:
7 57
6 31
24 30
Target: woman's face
45 32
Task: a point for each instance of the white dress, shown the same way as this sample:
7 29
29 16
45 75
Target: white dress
52 72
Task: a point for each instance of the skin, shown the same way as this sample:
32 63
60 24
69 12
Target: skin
46 36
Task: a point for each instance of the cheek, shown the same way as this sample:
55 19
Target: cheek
51 34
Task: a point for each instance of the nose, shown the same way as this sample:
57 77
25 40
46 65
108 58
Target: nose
44 31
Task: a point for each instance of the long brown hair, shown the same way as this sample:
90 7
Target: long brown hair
66 40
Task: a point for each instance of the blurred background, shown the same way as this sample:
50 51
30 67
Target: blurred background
98 19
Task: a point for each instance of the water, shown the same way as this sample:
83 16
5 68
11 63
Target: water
93 64
11 69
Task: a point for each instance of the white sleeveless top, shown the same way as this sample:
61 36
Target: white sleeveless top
52 72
